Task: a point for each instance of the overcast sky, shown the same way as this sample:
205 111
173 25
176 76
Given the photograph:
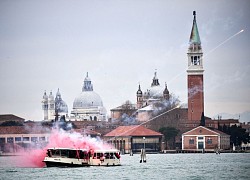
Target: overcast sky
50 44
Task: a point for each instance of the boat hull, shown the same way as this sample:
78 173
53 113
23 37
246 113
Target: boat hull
63 164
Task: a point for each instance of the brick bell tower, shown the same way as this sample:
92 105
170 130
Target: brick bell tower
195 75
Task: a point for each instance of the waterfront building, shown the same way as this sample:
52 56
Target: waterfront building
88 104
54 108
129 139
15 138
203 138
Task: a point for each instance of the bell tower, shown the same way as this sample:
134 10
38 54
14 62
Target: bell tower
45 106
195 75
139 97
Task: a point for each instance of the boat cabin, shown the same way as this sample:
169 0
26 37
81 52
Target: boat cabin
57 157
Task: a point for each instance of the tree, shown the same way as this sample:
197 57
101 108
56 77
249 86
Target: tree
169 135
203 122
238 135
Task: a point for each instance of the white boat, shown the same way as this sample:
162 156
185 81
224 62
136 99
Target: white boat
67 157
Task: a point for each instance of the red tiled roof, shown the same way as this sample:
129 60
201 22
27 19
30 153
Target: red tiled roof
87 131
23 130
195 132
135 130
220 132
10 117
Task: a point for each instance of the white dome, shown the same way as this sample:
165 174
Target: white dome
156 91
87 99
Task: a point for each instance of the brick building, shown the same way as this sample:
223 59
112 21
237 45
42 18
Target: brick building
201 138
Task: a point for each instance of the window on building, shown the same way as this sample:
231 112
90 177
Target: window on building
200 138
209 141
18 139
26 138
2 140
42 138
10 139
34 139
191 141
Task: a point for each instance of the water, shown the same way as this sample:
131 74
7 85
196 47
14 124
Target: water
158 166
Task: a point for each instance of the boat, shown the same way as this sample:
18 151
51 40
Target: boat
70 157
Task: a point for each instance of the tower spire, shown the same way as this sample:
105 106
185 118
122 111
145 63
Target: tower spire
194 36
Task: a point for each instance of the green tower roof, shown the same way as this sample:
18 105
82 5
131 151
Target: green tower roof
194 36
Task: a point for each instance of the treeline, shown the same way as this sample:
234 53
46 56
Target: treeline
237 134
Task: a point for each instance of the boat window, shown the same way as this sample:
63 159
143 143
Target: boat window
106 155
64 153
55 152
49 153
72 154
99 155
83 155
112 156
117 155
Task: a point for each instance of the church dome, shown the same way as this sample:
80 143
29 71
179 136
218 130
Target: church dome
87 99
155 92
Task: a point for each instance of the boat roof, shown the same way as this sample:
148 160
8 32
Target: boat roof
59 148
106 150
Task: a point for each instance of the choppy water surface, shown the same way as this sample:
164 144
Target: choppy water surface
158 166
